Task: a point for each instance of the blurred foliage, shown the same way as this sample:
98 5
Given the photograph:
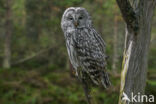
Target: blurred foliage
46 86
21 86
45 78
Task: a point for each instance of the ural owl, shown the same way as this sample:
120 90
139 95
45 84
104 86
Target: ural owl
86 48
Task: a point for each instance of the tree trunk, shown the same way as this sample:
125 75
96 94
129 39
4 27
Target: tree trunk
138 16
8 33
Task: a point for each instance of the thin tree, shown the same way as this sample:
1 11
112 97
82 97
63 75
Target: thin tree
137 15
8 33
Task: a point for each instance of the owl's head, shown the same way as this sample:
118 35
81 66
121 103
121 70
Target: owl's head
75 17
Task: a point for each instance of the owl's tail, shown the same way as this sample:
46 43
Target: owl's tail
105 80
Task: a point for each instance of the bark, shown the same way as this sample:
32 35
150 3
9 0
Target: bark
8 33
138 18
128 14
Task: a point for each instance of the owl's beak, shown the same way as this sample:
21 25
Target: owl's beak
76 24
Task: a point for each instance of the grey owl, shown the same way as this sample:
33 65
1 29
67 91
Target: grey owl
86 48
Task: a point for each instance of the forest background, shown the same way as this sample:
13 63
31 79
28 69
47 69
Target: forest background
34 65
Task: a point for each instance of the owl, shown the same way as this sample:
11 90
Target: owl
86 48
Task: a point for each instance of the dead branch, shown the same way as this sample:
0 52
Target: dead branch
31 56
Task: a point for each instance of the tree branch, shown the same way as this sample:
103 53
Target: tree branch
128 14
31 56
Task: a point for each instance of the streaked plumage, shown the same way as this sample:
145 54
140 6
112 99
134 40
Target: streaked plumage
86 48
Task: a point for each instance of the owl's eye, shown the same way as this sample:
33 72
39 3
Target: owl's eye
80 17
70 18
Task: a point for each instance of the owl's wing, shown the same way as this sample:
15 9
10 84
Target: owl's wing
102 44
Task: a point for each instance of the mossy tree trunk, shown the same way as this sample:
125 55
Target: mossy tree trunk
137 15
